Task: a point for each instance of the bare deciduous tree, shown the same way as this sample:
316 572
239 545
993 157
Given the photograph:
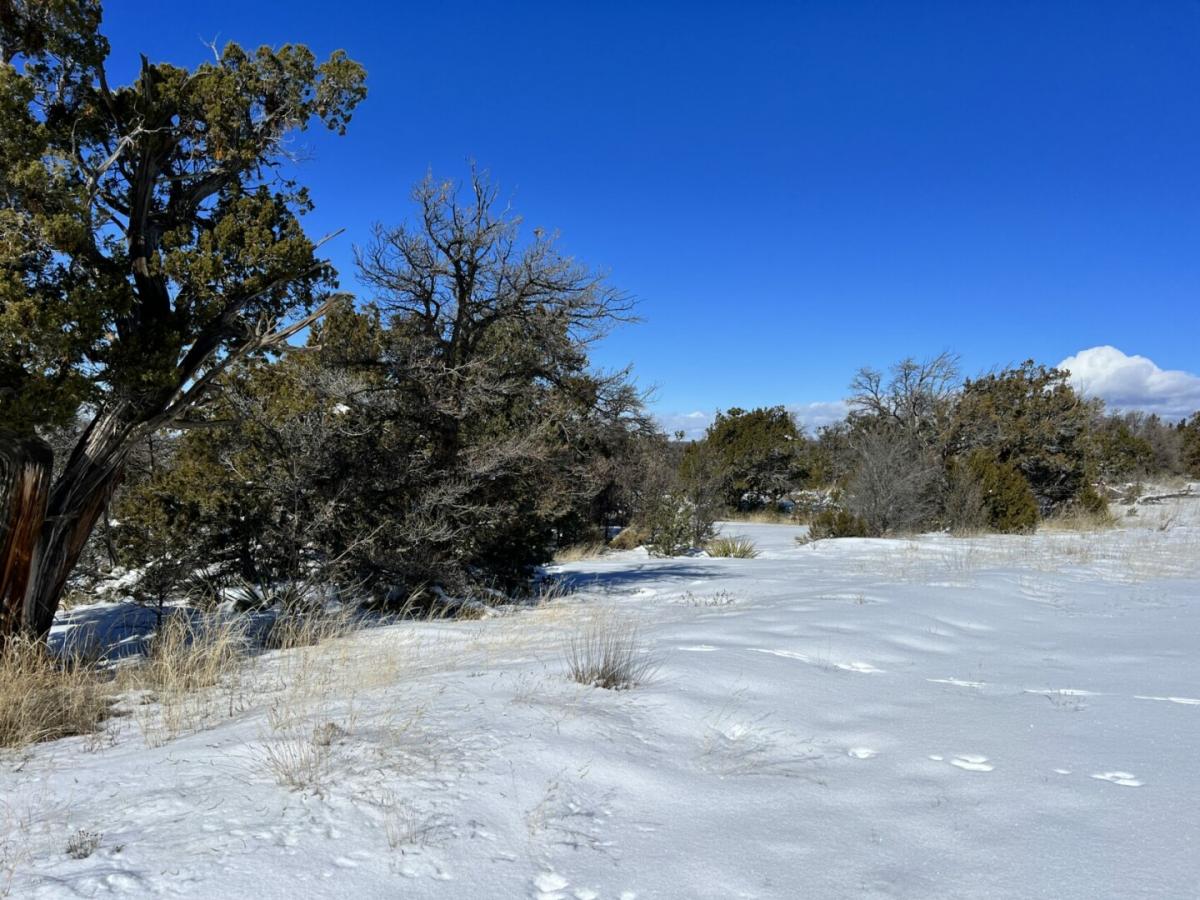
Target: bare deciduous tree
894 486
916 399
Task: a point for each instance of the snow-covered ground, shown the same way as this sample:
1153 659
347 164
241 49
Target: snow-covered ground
927 718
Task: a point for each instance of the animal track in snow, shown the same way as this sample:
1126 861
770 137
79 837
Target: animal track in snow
972 762
861 667
786 654
1124 779
549 886
957 682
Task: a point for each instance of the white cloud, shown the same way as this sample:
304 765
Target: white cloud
813 415
691 424
1133 382
809 415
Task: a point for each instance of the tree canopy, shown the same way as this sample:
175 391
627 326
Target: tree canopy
150 237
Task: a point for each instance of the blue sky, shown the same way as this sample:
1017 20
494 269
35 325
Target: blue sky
791 190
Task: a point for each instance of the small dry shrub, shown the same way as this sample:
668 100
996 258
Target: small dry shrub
835 523
734 546
83 844
964 504
609 653
629 538
43 698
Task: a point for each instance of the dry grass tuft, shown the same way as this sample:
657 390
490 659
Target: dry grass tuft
301 761
309 627
551 590
83 844
629 539
189 653
14 846
1078 520
734 546
188 659
43 698
609 653
765 516
580 552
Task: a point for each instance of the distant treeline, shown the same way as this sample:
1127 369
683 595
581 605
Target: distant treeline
922 448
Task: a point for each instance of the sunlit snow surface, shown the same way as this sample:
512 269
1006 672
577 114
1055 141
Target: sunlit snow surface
928 718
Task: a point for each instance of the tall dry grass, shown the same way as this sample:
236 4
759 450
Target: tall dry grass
610 653
43 698
297 628
765 516
580 552
1078 521
193 673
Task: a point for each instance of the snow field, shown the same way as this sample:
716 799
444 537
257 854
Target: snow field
935 717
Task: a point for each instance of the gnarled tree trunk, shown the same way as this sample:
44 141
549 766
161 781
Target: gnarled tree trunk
45 528
78 499
25 469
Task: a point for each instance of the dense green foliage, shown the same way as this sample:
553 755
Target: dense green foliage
150 238
756 453
1031 417
146 230
1008 501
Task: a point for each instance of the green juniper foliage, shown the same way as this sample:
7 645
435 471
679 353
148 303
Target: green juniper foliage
758 452
150 235
1031 417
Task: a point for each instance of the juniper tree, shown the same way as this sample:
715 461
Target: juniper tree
1031 417
758 452
446 436
150 236
489 389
